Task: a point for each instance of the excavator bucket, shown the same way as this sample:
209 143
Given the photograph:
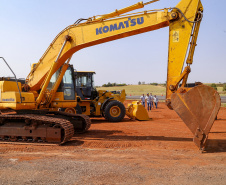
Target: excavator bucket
198 109
137 111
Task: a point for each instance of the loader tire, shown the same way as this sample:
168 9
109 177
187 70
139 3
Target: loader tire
114 111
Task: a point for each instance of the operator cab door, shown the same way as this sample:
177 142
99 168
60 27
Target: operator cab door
68 85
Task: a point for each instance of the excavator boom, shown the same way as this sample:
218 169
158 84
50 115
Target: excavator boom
92 33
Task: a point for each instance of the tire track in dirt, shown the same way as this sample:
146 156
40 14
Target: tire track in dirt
85 145
20 150
113 144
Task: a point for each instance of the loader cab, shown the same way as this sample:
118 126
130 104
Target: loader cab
84 83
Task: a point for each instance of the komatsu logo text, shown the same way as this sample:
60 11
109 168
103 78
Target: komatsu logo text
8 99
121 25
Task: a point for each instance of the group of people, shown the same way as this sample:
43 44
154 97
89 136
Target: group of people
151 100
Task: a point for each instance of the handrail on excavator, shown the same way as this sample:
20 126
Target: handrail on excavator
14 77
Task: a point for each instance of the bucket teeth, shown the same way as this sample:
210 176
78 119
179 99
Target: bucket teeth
198 109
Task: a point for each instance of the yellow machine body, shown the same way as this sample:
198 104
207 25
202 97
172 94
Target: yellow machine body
108 95
10 97
98 110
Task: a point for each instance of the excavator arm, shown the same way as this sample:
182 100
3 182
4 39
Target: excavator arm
183 21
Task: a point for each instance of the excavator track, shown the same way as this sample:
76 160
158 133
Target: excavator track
80 122
35 128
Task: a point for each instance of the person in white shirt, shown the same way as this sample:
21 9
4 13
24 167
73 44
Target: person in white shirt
156 100
149 100
143 100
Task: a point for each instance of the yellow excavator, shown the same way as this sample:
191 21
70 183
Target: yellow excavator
27 109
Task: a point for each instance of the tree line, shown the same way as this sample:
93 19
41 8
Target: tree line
113 84
218 85
143 83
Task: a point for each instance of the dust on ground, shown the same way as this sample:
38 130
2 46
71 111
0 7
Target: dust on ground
159 151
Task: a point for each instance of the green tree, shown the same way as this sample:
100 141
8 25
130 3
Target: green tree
154 84
214 86
224 87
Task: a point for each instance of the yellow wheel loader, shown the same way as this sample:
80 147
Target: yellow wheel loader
29 107
108 104
98 103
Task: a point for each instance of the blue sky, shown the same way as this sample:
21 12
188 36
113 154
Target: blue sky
29 26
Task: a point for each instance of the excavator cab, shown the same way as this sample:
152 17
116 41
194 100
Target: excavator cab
67 85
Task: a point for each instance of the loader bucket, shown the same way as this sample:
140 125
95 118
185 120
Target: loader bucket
137 111
198 109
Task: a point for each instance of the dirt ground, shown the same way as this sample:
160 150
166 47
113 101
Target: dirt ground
159 151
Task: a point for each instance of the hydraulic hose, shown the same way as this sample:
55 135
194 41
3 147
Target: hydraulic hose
186 17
